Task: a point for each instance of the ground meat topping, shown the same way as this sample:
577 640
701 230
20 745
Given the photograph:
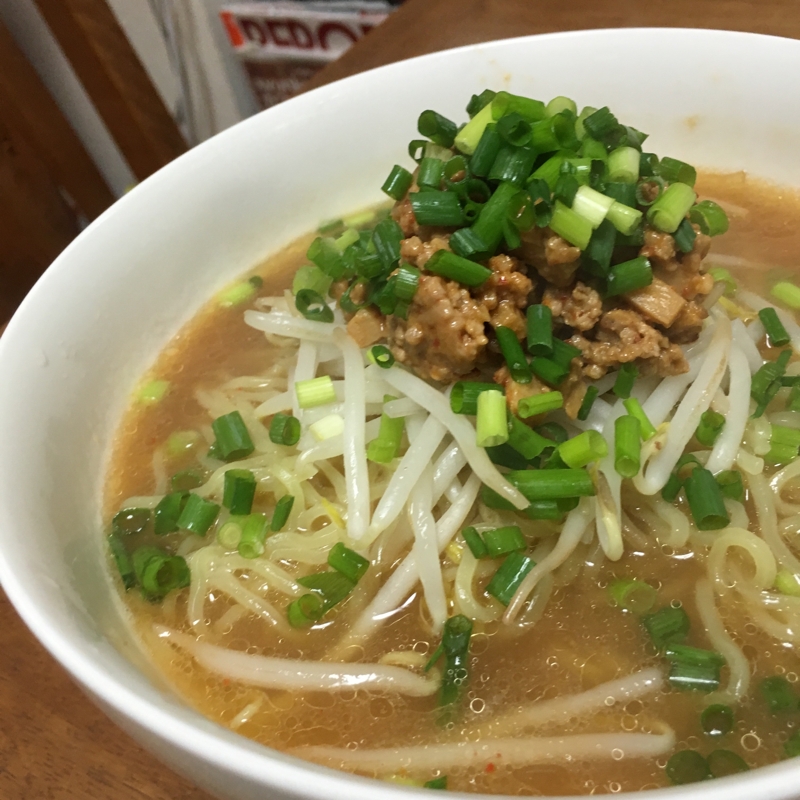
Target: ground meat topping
505 293
518 391
443 335
580 308
415 251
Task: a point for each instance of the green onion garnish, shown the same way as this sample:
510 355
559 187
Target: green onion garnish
232 438
668 625
167 512
628 276
540 330
626 377
479 101
730 484
717 719
634 408
437 208
703 678
456 268
464 396
788 583
712 219
776 333
685 236
674 171
386 446
305 611
326 256
726 762
627 446
513 354
500 541
709 428
509 576
239 491
122 560
198 515
386 238
778 694
475 543
437 128
397 183
552 484
792 745
348 562
455 648
436 783
766 381
284 429
282 510
687 766
315 392
486 151
158 573
381 355
671 207
431 172
591 205
548 371
705 501
587 402
506 456
623 218
131 520
528 108
635 596
333 587
564 353
539 404
571 226
254 534
466 243
787 293
623 165
491 427
186 480
230 534
583 449
152 392
525 441
724 276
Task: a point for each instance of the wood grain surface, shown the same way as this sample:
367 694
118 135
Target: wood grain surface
53 743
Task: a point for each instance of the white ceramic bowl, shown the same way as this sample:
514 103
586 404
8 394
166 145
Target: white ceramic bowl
97 318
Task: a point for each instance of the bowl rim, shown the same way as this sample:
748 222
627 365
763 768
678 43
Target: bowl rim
212 742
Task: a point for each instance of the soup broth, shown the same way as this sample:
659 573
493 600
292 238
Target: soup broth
574 637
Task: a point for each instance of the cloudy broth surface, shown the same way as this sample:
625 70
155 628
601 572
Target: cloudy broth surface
581 639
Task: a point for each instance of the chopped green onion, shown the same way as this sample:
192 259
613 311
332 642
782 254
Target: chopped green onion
622 193
692 655
672 170
634 408
787 293
475 543
349 237
315 392
539 404
623 165
592 149
467 244
788 583
717 719
386 238
571 226
455 648
386 446
397 183
509 576
625 219
726 762
437 208
239 491
431 172
436 783
553 431
237 294
131 520
198 515
159 573
564 353
514 129
525 441
326 256
437 128
778 694
167 512
470 135
629 276
627 446
333 587
506 456
312 306
626 377
705 501
493 215
648 164
486 151
646 188
185 480
766 381
491 427
548 370
232 438
512 165
513 354
500 541
304 611
685 236
671 207
730 484
464 396
552 484
348 562
284 429
721 275
230 534
406 280
687 766
152 392
456 268
588 401
528 108
254 534
676 480
635 596
549 172
709 428
179 442
583 449
282 510
123 561
540 330
479 101
699 677
668 625
776 333
793 402
381 356
559 104
792 745
601 124
591 205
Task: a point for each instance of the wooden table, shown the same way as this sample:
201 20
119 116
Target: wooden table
53 743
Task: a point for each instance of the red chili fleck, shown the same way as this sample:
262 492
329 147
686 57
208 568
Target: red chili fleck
490 767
